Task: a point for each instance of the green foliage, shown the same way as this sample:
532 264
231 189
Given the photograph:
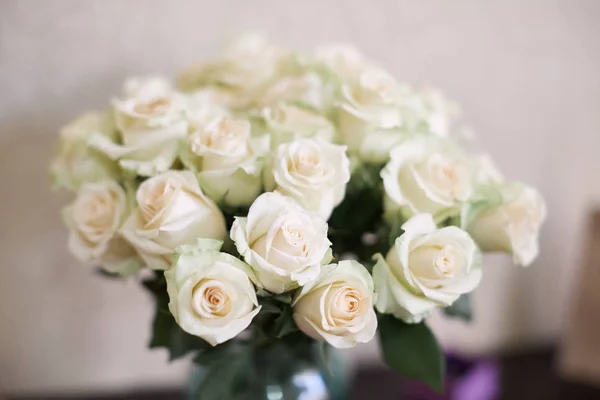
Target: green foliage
275 320
325 358
412 350
461 308
360 212
395 229
105 274
231 212
284 325
228 370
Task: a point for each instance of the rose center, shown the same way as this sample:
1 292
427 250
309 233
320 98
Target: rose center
158 106
223 144
352 302
446 260
445 174
347 305
210 301
156 200
295 237
95 212
309 163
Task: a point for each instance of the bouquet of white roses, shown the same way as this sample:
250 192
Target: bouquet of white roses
295 196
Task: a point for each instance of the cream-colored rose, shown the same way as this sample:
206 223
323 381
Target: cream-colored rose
146 87
426 175
204 105
76 163
307 89
210 293
284 243
171 211
338 306
513 226
312 172
151 121
370 110
343 59
373 98
121 258
427 111
287 122
426 268
247 64
377 113
94 219
227 159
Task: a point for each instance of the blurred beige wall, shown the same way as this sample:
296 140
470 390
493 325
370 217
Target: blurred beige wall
525 72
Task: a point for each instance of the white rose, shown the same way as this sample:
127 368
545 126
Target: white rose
370 115
426 268
147 87
343 59
425 175
204 104
94 219
76 163
513 226
121 258
306 89
427 111
151 121
287 122
210 293
171 211
247 63
373 98
338 306
284 243
146 109
312 172
228 161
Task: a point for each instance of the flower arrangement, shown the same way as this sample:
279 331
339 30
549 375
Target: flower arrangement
272 195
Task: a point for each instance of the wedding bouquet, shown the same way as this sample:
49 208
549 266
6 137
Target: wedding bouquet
271 195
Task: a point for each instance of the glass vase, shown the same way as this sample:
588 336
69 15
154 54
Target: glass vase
272 371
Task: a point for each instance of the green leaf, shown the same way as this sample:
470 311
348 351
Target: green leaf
284 324
220 351
110 275
358 212
461 308
395 228
156 285
268 306
324 351
283 298
412 350
362 207
228 371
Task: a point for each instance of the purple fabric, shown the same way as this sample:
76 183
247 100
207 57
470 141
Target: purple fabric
480 383
466 380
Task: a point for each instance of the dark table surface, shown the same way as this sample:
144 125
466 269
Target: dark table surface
524 376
